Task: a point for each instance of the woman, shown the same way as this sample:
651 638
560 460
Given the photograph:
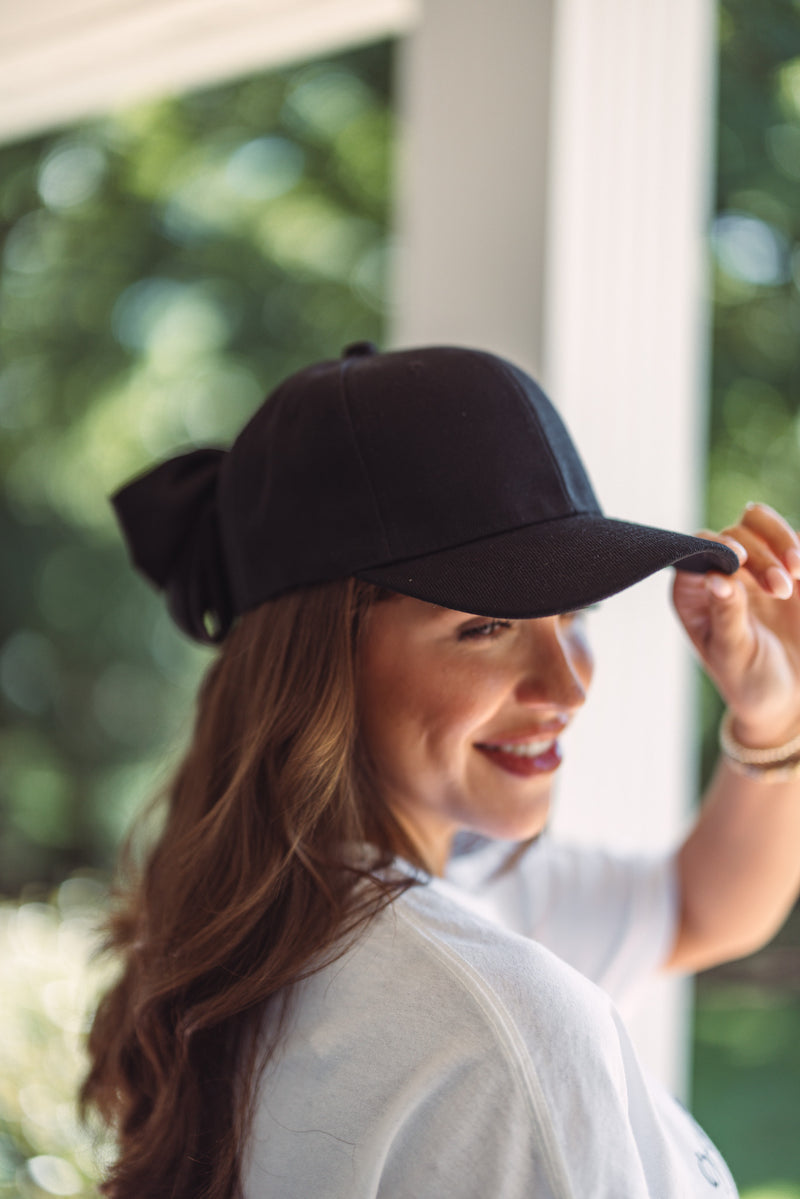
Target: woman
395 557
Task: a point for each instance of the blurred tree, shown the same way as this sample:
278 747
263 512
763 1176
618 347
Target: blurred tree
746 1029
755 254
161 270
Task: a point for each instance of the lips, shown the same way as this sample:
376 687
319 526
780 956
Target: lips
524 758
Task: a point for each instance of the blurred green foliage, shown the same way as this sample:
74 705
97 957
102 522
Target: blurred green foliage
755 242
161 270
747 1065
754 435
746 1081
746 1076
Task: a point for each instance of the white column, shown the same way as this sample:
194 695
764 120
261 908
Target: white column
474 111
625 351
552 198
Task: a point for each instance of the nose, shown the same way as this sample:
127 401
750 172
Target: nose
558 668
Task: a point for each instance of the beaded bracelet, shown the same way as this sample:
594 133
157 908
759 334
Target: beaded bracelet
767 774
774 764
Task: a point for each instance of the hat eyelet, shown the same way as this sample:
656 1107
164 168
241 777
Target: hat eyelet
360 349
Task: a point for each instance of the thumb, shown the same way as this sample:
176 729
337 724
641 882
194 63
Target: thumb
729 629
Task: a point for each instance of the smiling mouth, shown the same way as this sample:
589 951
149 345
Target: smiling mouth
522 749
523 758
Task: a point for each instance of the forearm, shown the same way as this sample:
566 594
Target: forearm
739 868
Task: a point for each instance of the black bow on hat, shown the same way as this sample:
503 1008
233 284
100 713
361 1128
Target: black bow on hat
171 523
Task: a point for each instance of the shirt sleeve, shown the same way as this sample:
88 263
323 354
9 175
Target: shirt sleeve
498 1126
544 1095
611 916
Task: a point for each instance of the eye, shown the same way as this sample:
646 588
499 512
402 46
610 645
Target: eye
485 631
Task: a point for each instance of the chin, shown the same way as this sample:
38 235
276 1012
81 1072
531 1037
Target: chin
522 826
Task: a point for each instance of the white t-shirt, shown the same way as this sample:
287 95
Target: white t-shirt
613 917
449 1053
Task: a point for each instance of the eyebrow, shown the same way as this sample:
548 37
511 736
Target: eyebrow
437 613
457 614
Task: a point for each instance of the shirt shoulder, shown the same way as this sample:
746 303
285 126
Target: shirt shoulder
441 1055
506 974
431 1029
612 916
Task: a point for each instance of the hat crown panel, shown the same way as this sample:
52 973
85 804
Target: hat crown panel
297 502
459 446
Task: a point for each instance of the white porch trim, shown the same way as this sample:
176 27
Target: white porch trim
63 61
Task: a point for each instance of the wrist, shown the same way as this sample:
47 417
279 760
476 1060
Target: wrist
760 735
768 763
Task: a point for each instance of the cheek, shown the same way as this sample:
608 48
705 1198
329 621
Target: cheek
414 709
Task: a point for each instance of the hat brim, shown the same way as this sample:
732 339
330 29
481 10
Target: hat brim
546 569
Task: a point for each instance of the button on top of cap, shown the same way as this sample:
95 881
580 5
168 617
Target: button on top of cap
359 349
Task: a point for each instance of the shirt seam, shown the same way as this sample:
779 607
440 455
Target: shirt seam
506 1033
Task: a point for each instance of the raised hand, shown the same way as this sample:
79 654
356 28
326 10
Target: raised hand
746 627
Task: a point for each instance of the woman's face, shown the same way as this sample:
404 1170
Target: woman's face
460 717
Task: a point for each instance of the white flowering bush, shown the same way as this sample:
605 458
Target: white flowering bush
50 984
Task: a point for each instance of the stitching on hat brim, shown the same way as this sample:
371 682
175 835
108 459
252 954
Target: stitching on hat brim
572 581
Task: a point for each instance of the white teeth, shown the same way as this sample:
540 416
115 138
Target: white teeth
526 749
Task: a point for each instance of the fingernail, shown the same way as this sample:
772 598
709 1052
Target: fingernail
719 586
741 552
779 582
793 562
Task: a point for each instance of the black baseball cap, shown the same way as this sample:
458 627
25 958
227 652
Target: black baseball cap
442 473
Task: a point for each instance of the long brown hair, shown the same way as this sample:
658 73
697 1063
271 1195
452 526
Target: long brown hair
248 888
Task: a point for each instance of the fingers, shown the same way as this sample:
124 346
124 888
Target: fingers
728 615
721 586
764 564
770 548
777 532
714 608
